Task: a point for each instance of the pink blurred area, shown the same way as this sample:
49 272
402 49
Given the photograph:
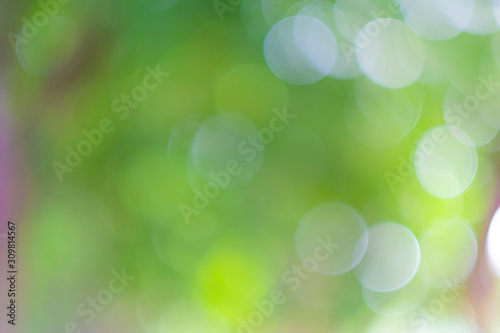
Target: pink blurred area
14 175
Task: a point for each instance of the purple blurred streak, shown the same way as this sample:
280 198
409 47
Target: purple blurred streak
13 175
5 168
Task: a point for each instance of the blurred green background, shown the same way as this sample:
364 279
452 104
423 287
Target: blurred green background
150 136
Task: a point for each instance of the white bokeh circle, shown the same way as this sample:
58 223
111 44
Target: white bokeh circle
338 225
